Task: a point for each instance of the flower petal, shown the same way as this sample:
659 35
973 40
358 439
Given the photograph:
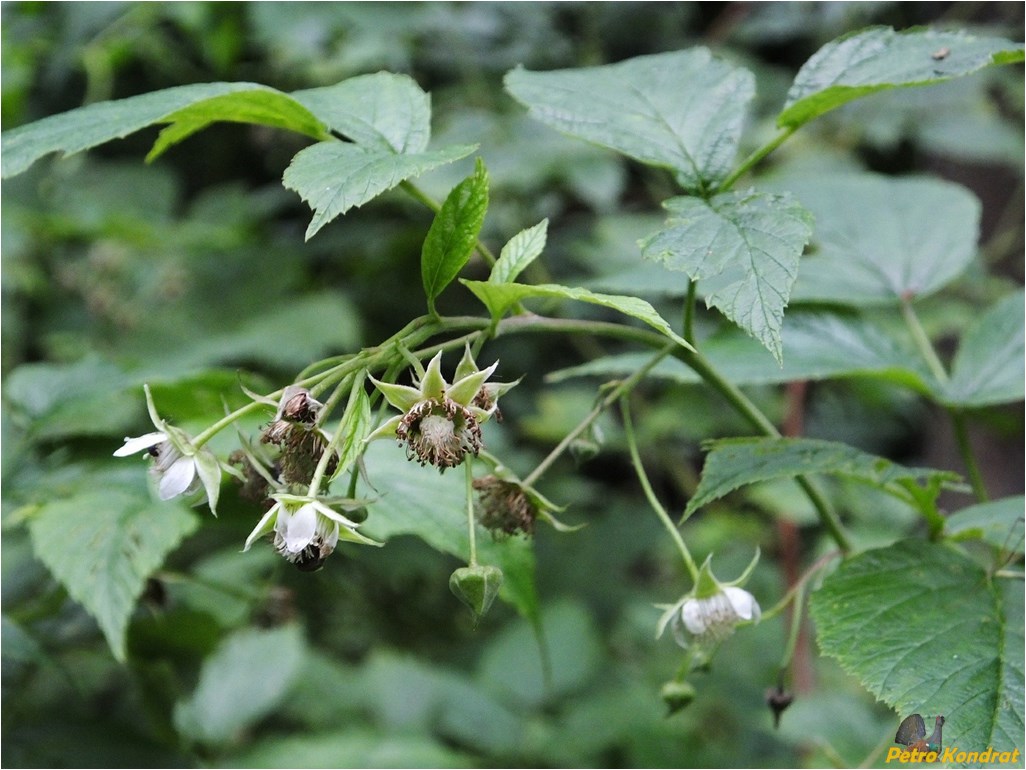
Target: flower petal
176 479
301 529
693 616
140 443
744 603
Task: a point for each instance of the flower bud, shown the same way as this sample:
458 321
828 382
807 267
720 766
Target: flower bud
476 586
677 695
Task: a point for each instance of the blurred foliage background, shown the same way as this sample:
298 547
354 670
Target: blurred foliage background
186 271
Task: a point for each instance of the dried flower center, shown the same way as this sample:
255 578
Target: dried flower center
503 507
439 433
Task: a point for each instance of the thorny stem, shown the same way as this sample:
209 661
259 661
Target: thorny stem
650 495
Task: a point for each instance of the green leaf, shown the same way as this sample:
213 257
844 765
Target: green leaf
998 522
380 111
264 108
879 58
735 462
407 499
746 246
359 422
241 682
988 368
333 177
926 631
880 239
682 110
351 746
94 124
500 297
102 544
453 234
519 252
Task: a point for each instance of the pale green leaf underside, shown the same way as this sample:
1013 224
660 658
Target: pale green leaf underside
745 247
333 177
878 239
879 58
988 368
453 234
383 111
733 463
102 545
926 631
682 110
94 124
241 682
358 425
500 297
519 252
997 522
407 499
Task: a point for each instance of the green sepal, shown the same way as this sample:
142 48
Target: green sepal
476 586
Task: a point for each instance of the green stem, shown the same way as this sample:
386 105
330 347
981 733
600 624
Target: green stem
471 529
965 449
922 341
650 495
755 157
689 313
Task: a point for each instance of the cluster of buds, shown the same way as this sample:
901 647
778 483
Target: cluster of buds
440 422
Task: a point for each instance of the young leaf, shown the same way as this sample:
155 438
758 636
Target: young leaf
988 368
997 522
733 463
359 422
94 124
453 234
256 667
520 251
380 111
500 297
333 177
926 631
682 110
879 58
880 239
263 107
746 246
102 545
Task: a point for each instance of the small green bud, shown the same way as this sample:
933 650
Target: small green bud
476 587
676 695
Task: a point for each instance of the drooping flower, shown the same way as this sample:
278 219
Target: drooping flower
709 613
178 466
441 423
306 530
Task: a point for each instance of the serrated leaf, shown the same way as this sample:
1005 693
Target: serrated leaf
519 252
359 422
102 545
926 631
94 124
453 234
263 108
241 682
735 462
333 177
880 58
407 499
880 239
381 111
746 247
997 522
682 110
988 368
500 297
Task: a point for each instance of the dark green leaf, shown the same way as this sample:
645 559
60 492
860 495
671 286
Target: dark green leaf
333 177
453 234
94 124
735 462
879 58
988 368
880 239
519 252
998 522
245 678
926 631
746 246
500 297
102 544
380 111
682 110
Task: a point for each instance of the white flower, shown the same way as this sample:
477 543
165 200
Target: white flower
178 466
306 530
